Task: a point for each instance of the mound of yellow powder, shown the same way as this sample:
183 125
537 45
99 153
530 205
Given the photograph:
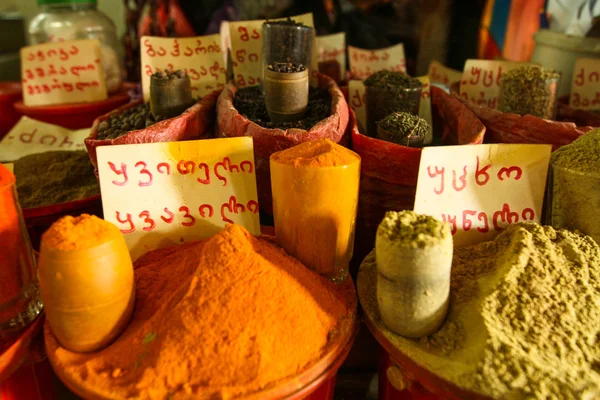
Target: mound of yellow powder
316 154
523 320
77 233
214 319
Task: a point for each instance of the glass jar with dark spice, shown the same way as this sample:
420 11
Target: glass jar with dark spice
170 93
388 92
403 128
530 90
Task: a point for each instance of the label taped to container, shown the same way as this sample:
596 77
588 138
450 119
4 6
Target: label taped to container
62 72
332 49
364 62
585 86
480 189
200 57
442 75
246 50
480 82
30 136
164 194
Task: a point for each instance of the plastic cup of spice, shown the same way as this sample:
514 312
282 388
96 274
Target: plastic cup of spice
403 128
315 198
170 94
414 259
574 186
388 92
86 282
19 296
530 90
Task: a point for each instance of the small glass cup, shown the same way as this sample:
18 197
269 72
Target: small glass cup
19 293
286 92
573 201
530 95
383 101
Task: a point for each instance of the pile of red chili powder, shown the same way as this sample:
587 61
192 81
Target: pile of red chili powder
223 317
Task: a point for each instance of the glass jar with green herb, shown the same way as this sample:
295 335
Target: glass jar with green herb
530 90
388 92
403 128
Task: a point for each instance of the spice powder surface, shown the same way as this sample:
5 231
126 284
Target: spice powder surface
219 318
523 319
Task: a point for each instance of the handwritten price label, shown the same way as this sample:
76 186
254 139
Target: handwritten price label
480 189
246 49
29 136
442 75
161 194
480 81
62 72
363 62
585 87
332 48
200 57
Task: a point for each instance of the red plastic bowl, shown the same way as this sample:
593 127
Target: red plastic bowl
79 115
10 93
39 219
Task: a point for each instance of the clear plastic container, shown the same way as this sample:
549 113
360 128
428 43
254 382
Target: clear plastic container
382 101
574 200
19 293
75 20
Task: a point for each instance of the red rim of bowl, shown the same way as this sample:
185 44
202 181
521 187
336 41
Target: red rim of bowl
52 209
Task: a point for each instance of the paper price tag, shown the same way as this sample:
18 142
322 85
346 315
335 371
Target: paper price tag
480 189
425 107
200 57
225 39
442 75
62 72
585 86
162 194
29 136
332 48
363 62
480 82
358 102
246 49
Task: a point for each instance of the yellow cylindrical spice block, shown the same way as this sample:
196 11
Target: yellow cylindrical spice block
315 198
86 282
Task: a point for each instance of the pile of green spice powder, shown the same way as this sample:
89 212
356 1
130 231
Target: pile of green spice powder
523 320
529 90
574 189
54 177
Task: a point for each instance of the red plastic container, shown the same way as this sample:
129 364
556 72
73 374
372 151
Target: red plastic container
10 93
76 116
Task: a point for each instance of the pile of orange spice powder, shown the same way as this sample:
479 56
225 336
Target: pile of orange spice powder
220 318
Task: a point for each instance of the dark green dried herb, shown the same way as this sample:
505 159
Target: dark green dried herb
529 90
389 79
403 128
54 177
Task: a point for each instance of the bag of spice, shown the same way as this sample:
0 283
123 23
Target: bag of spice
133 123
389 171
527 129
243 113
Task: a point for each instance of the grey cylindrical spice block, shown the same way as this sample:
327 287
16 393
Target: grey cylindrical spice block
286 95
414 259
170 97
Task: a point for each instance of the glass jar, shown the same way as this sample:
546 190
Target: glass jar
573 200
19 294
383 101
76 20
